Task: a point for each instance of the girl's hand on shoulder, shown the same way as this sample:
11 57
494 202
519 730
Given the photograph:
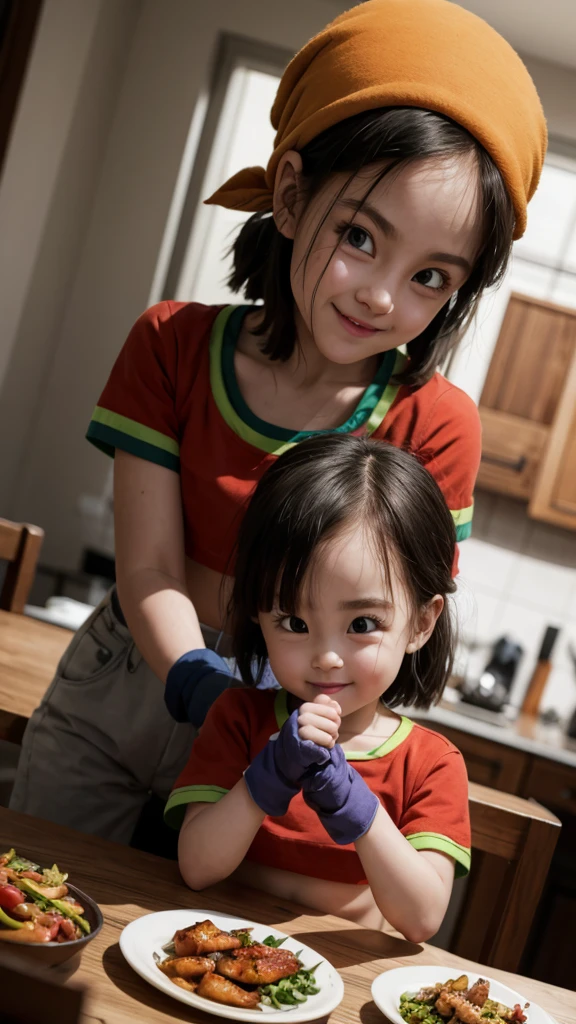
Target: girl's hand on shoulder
319 721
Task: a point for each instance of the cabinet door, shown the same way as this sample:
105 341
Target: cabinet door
554 497
553 785
512 450
528 369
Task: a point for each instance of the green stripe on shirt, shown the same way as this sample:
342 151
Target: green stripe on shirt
462 521
108 430
180 798
435 841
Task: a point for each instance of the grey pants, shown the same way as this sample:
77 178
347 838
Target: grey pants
101 741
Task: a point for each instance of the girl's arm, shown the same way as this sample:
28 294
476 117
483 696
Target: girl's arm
411 888
215 838
150 561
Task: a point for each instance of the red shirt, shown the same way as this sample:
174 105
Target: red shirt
172 398
418 775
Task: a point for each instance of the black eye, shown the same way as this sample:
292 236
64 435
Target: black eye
436 283
358 238
363 624
292 624
298 625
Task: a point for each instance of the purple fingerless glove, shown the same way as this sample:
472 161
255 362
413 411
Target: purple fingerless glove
344 803
275 775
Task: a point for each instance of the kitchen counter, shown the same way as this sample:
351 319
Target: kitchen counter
525 733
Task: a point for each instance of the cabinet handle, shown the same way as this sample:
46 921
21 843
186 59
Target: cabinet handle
516 465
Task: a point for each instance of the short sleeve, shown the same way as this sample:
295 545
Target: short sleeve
220 756
137 409
450 446
437 815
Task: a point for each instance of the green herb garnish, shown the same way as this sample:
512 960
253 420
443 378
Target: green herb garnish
21 864
292 990
53 876
271 941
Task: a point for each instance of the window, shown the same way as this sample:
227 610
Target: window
237 133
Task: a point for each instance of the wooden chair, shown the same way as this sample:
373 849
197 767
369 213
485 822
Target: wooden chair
512 842
20 546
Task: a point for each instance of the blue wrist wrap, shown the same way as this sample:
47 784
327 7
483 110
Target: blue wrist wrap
193 684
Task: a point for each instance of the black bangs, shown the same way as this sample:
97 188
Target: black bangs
320 488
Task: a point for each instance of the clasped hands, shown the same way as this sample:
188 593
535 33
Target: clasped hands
305 756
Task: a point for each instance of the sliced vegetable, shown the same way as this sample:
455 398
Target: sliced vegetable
21 864
10 897
61 905
49 892
53 876
66 909
9 922
5 858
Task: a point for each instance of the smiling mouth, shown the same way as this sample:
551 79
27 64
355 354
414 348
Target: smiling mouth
328 686
359 326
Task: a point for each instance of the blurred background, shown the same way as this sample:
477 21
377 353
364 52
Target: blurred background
117 117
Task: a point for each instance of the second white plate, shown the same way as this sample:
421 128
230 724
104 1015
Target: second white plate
146 936
388 987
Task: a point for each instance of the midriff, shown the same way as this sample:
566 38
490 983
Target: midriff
353 902
207 594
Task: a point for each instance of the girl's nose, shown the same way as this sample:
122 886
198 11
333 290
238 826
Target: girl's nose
326 661
376 298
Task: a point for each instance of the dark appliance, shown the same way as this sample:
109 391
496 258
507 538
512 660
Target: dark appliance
492 689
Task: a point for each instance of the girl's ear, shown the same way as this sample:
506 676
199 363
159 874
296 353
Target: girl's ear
427 619
288 193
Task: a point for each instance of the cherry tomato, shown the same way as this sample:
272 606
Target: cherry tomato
10 897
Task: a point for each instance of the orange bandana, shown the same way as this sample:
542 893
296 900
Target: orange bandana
431 54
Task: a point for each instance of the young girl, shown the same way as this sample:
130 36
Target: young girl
344 565
409 141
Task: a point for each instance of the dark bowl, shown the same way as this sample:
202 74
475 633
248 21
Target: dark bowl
48 954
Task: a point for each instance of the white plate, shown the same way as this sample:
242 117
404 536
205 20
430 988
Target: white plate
146 936
388 987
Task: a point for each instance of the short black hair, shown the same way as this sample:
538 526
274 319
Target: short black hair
262 255
310 493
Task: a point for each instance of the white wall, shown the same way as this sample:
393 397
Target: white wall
52 168
517 577
556 86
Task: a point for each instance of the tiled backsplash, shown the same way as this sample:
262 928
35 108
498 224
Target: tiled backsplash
518 576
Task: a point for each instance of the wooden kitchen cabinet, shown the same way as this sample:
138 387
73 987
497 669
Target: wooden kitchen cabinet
512 450
527 409
554 495
552 784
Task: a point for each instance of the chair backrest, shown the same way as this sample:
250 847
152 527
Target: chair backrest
513 841
20 546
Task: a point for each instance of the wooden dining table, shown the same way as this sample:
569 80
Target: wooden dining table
29 653
127 884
